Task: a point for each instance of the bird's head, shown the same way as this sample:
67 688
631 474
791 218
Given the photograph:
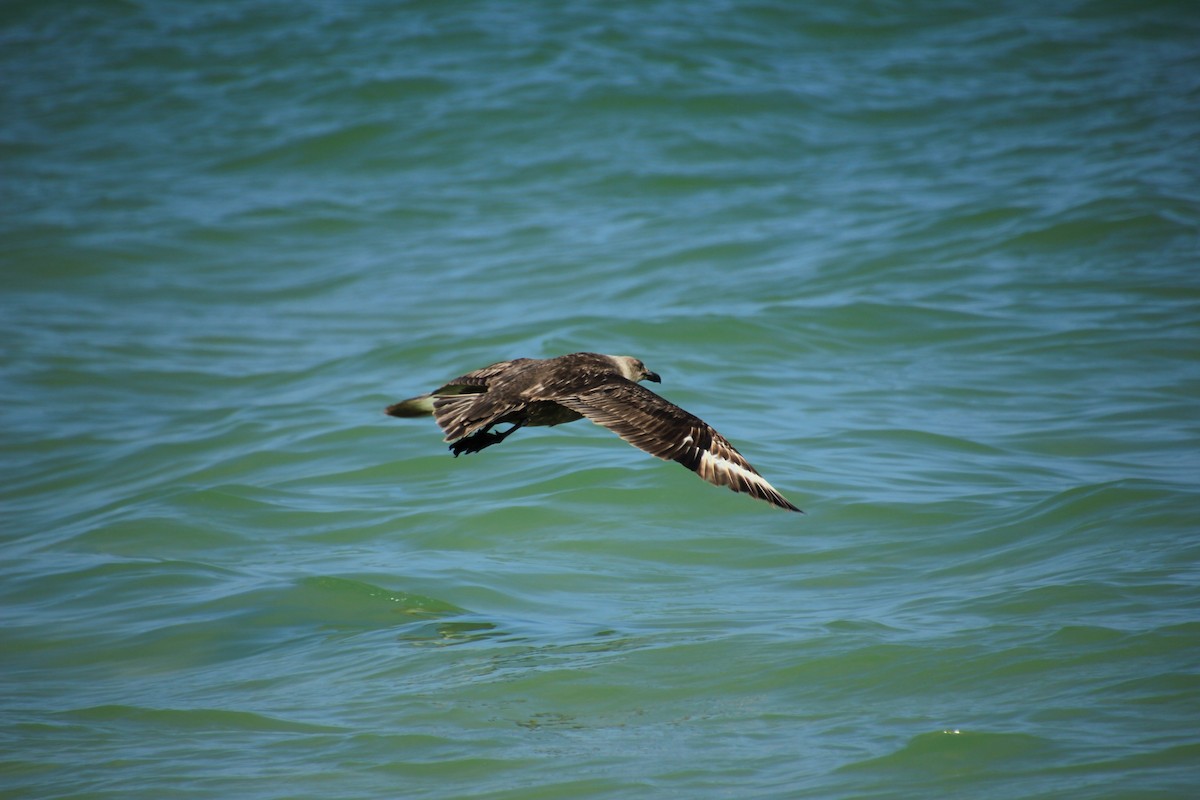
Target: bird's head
633 369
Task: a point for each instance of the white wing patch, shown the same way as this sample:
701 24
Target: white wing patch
719 470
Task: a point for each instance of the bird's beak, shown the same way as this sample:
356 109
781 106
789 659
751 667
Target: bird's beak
653 376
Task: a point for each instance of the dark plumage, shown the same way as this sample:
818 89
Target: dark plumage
605 389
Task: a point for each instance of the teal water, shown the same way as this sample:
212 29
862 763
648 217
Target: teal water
933 267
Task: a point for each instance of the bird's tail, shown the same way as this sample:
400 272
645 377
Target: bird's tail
412 407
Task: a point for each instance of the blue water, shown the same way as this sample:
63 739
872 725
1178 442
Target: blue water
932 267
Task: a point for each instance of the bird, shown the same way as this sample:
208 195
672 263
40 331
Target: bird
528 392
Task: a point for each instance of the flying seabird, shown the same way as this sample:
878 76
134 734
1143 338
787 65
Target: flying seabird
605 389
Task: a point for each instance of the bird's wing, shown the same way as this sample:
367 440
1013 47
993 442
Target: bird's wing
663 429
461 415
464 405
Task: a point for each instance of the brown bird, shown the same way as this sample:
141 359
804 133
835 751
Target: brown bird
550 391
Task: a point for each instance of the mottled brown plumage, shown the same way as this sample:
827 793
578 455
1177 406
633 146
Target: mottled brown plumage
604 389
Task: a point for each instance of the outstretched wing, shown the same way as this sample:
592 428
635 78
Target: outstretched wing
665 430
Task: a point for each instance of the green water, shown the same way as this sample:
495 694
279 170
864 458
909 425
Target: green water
932 267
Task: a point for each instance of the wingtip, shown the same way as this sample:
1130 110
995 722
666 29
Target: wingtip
779 501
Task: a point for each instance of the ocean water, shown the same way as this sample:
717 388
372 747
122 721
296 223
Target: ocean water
933 267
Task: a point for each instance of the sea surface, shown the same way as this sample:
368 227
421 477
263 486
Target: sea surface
933 267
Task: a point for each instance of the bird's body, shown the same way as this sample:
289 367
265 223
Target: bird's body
605 389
